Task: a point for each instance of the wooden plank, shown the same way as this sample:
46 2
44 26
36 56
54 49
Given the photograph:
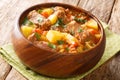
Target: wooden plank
15 75
114 22
109 71
100 8
72 2
4 69
115 18
9 10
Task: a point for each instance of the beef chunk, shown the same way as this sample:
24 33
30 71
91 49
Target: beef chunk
39 20
32 37
73 27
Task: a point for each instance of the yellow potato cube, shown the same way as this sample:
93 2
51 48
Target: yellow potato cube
26 30
92 24
43 38
53 36
53 18
49 11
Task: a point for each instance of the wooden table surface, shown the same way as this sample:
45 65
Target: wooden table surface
106 10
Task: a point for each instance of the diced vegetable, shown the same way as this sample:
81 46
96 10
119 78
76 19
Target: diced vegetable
53 36
60 42
98 36
60 22
60 46
27 22
47 12
39 10
53 18
92 24
93 31
26 30
67 49
38 31
43 38
80 20
80 30
37 35
52 45
75 44
44 33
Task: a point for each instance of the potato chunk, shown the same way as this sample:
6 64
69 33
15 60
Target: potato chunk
26 30
53 18
53 36
49 11
92 24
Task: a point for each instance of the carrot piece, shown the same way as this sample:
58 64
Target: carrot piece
45 14
44 33
93 31
74 44
38 31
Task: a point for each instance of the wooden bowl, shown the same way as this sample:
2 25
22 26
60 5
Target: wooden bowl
51 63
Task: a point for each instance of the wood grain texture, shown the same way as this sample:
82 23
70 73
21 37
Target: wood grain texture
9 9
15 75
4 69
72 2
115 18
100 8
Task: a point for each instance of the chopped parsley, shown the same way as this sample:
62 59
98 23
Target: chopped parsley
60 23
26 21
80 30
80 20
67 49
60 42
37 36
39 10
53 46
39 19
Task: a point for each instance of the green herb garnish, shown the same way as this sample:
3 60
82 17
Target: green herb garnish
37 36
80 20
26 21
67 49
53 46
60 42
39 19
80 30
60 23
39 10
